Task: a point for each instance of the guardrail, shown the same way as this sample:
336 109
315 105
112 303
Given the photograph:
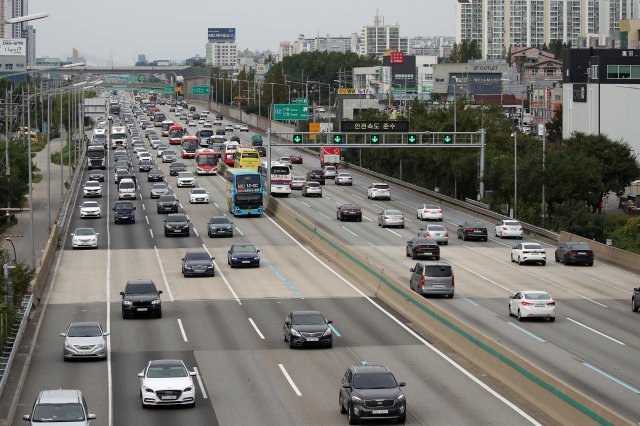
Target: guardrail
13 343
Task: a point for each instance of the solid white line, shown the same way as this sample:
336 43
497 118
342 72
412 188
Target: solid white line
410 331
164 276
379 206
370 220
109 367
393 232
596 331
286 375
184 335
146 218
204 392
357 196
195 231
151 232
255 327
219 271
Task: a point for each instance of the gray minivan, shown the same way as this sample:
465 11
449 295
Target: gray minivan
432 278
63 406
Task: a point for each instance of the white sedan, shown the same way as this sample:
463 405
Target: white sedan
528 253
167 382
509 228
532 303
244 128
186 179
90 209
228 128
429 212
192 123
207 124
84 238
198 195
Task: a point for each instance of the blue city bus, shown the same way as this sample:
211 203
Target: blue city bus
245 192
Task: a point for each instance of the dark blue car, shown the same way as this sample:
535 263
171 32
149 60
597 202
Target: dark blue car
243 254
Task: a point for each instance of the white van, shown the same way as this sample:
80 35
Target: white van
126 189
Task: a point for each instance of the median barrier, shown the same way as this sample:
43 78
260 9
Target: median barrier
602 252
557 399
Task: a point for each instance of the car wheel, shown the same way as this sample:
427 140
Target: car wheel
512 258
353 420
341 404
485 239
510 314
552 319
590 264
450 295
634 307
519 261
407 253
360 219
556 257
436 257
159 314
401 226
464 237
413 255
290 343
519 315
543 263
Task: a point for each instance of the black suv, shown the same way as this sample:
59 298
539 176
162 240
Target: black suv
167 204
176 224
316 176
349 211
219 226
371 392
155 175
422 247
141 297
176 168
635 300
472 230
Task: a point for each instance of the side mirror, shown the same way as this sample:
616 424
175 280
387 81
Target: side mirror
636 289
346 386
329 322
63 334
229 251
409 241
411 269
159 291
134 207
26 417
106 333
402 384
287 323
72 234
192 373
510 297
91 417
122 293
140 375
258 251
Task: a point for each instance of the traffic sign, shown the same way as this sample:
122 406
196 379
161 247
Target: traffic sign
448 138
291 112
140 77
200 90
337 139
375 126
314 127
168 89
412 139
301 101
375 138
297 138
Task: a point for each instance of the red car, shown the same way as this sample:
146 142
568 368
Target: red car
296 159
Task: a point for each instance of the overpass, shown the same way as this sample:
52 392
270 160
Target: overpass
114 69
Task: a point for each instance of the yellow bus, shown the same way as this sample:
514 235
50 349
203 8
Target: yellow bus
246 159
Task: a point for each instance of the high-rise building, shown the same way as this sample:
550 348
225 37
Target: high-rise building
499 24
222 54
378 38
31 45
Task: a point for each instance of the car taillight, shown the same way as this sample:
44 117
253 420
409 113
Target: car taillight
551 303
571 252
386 218
422 281
446 234
504 228
524 303
428 234
453 281
439 211
469 229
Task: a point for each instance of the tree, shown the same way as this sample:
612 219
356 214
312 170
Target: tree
465 51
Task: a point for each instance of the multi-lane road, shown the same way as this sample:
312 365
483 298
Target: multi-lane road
229 328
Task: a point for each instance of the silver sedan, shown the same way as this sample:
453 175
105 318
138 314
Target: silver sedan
435 232
391 218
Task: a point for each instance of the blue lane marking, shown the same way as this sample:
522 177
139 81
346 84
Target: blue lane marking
334 330
216 204
239 231
473 302
524 330
349 231
281 278
610 377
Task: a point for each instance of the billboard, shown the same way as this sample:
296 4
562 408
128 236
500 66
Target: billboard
397 58
13 47
221 34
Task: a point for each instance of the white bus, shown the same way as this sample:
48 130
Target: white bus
280 178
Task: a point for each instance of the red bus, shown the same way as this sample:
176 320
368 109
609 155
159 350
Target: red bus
189 146
228 149
206 161
176 132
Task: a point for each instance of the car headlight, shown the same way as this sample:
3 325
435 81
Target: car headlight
400 397
147 390
189 389
256 258
68 346
295 332
327 332
356 399
187 267
126 302
155 302
101 345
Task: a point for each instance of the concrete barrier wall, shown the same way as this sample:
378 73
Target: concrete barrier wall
559 400
624 259
44 271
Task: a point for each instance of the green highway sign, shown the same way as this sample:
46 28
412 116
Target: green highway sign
297 138
168 89
301 101
290 111
337 139
375 138
200 90
412 139
448 138
140 77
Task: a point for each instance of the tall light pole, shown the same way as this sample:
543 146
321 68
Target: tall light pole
515 174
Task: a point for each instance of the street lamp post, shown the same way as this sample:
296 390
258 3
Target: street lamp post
515 174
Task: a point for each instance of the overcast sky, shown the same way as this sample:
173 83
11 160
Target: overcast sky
164 29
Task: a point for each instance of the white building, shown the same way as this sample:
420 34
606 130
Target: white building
378 38
223 54
499 24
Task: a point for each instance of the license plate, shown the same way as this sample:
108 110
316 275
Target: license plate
249 211
142 309
169 397
176 230
582 252
312 339
380 412
426 253
540 305
246 261
437 286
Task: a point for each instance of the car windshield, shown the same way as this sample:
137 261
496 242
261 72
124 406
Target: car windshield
90 204
511 223
84 231
142 288
344 175
219 220
393 213
92 184
198 191
532 246
437 271
159 186
197 256
158 371
381 186
178 166
431 207
578 246
298 179
84 330
124 206
58 413
186 175
537 296
436 228
313 184
374 381
244 249
166 198
308 319
176 218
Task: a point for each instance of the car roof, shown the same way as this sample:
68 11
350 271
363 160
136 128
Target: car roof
166 362
434 263
306 313
370 369
59 396
140 281
83 323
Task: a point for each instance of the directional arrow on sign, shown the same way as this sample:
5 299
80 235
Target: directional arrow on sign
374 139
447 139
412 139
337 139
297 139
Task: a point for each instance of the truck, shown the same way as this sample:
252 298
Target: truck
329 156
96 157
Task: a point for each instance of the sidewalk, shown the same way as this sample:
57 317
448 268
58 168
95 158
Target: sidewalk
20 234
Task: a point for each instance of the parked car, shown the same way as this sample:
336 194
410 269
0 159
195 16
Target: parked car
371 392
436 232
532 303
509 228
422 247
432 278
312 188
197 263
302 328
167 382
349 211
84 340
391 218
528 253
141 297
220 226
472 230
573 252
429 212
379 191
243 254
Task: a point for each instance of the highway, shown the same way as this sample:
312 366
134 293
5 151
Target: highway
229 327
